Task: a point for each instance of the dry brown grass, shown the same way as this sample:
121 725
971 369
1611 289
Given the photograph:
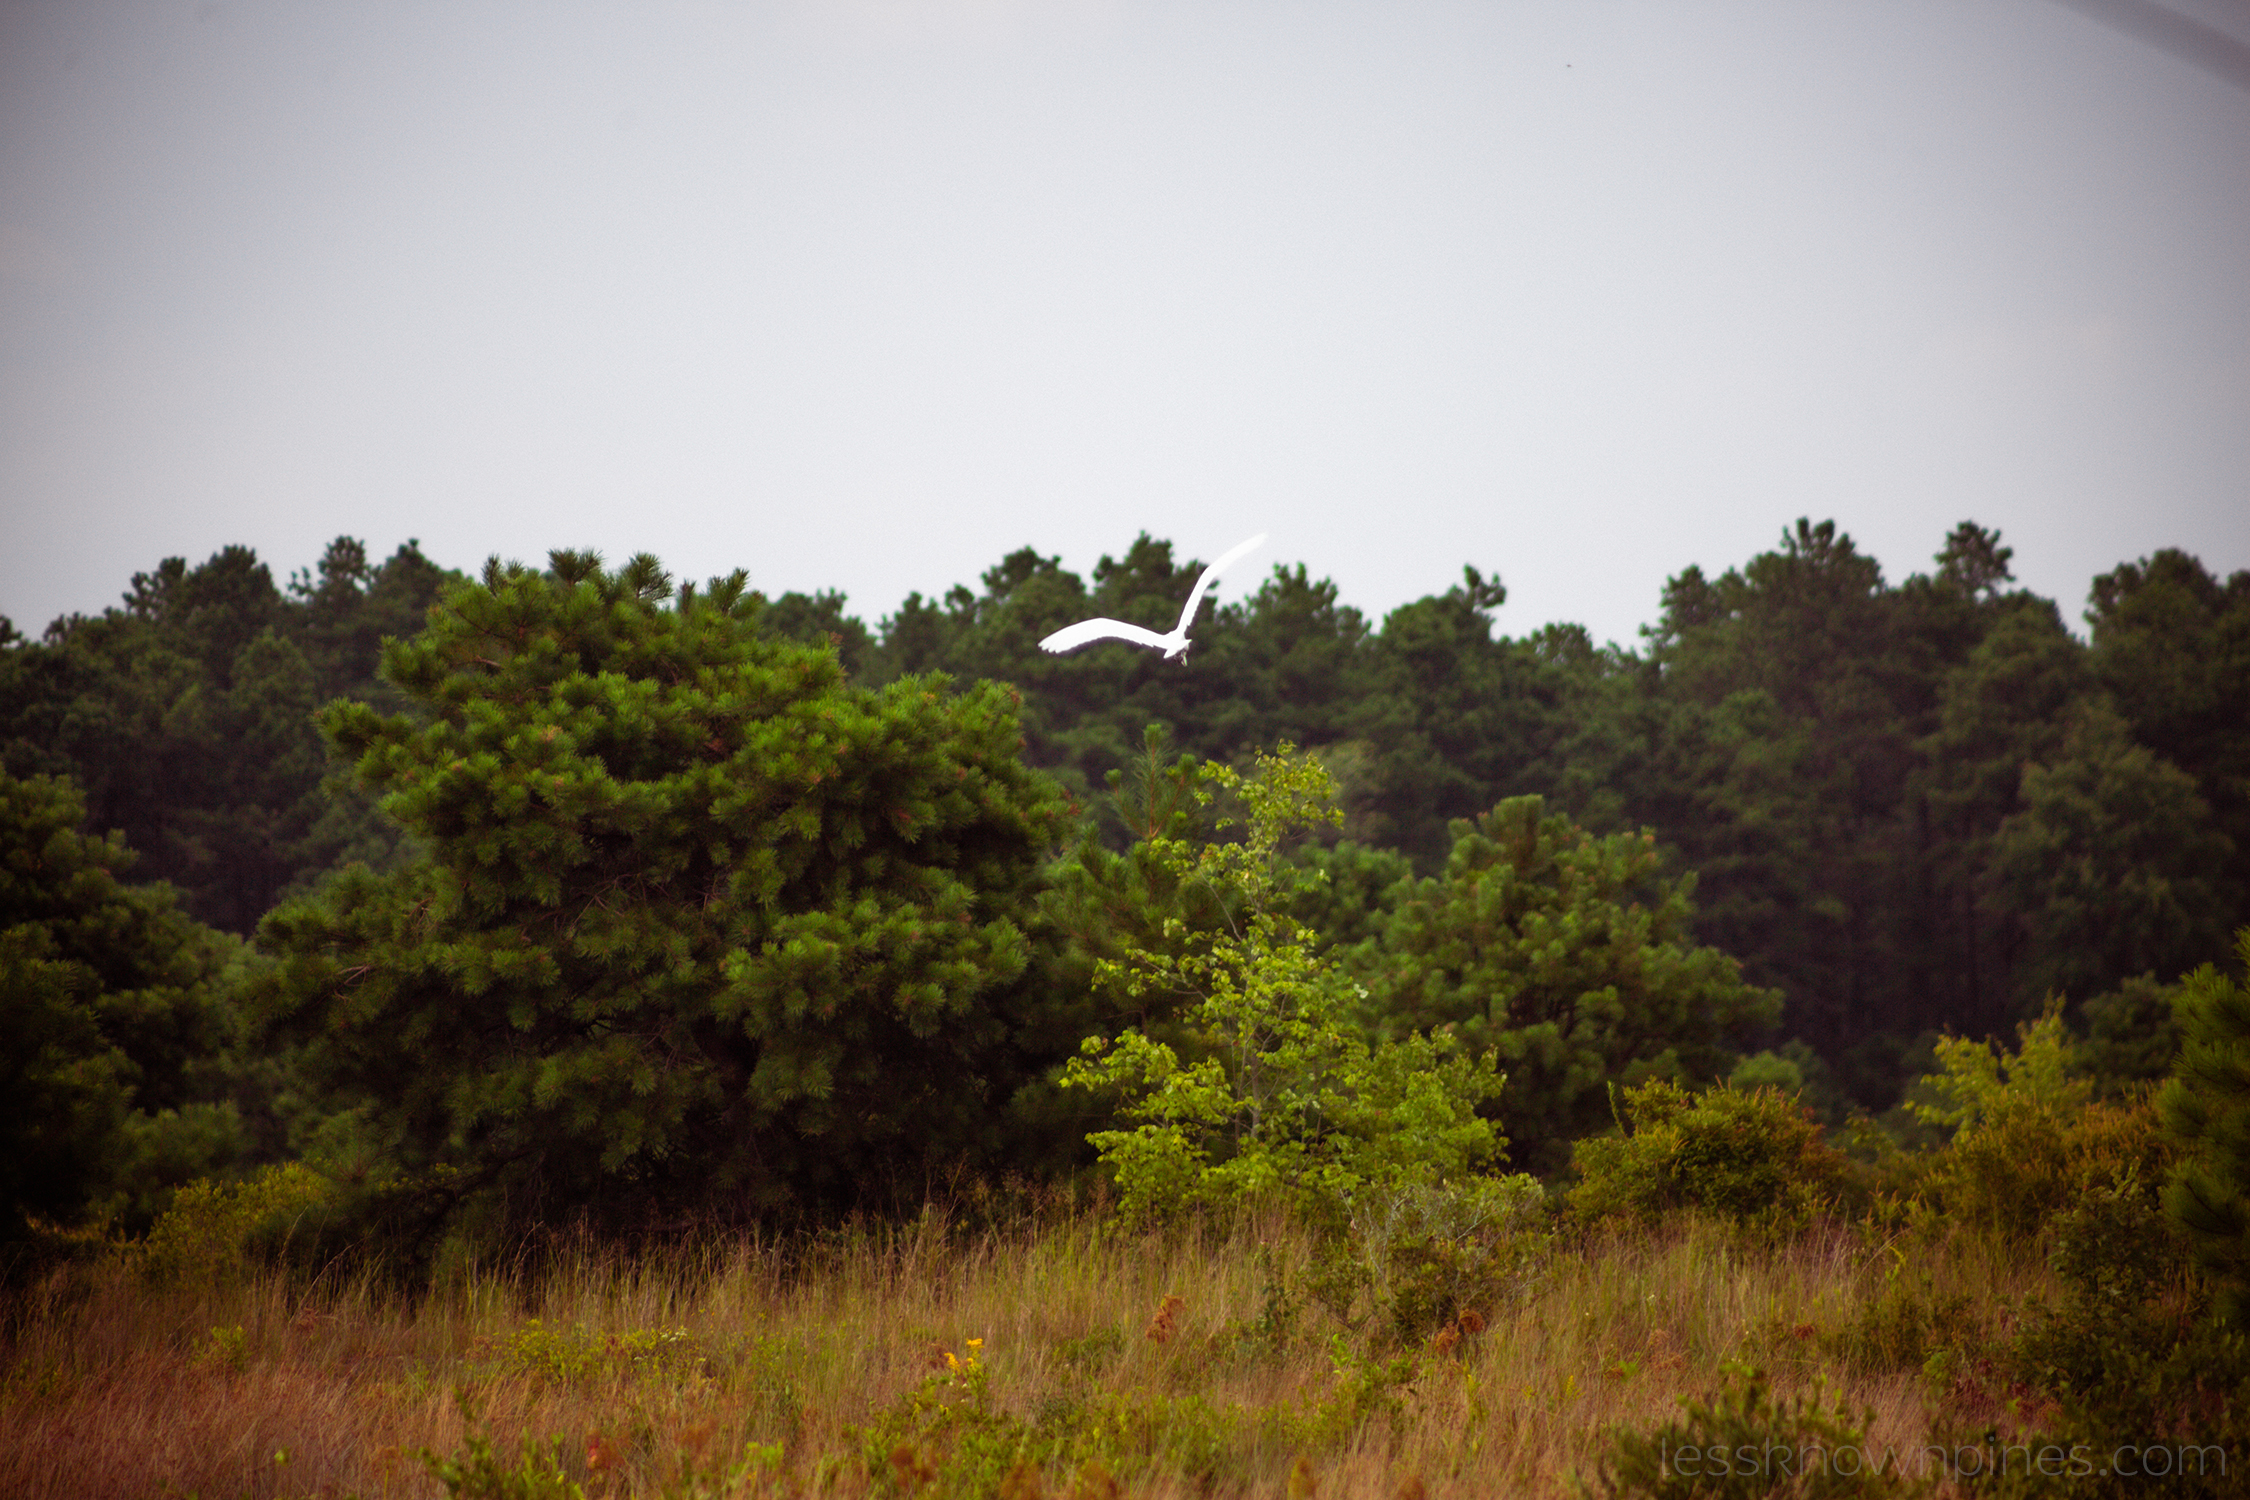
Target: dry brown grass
648 1370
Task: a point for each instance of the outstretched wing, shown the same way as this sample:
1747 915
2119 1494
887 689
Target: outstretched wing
1203 584
1071 637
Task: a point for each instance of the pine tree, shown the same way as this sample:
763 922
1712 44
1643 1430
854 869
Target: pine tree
698 929
2171 642
2113 866
1569 957
2206 1107
186 717
113 1019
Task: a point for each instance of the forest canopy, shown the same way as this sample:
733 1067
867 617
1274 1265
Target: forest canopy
701 886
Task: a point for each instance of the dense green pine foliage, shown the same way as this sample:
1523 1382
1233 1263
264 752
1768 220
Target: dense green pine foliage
1568 957
699 928
186 715
2172 646
1418 721
2206 1106
114 1024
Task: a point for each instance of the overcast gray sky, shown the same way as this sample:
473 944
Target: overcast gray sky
865 294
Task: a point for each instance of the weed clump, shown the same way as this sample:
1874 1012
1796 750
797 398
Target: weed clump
951 1436
548 1355
1406 1261
1911 1323
1747 1443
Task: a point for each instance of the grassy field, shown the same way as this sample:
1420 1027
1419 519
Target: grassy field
1052 1359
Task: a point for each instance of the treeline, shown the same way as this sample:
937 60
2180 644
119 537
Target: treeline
186 717
678 892
1909 807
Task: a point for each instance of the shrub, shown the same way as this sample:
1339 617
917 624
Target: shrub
1745 1444
211 1231
948 1434
2028 1144
2117 1365
541 1472
1437 1254
2120 1359
479 1473
2113 1256
1753 1158
559 1355
2206 1108
2018 1173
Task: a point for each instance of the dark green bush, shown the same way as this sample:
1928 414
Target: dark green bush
1569 956
2132 1036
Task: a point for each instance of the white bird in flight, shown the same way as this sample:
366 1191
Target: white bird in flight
1174 646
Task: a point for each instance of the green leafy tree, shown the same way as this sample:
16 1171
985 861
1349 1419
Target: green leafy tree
2206 1107
1283 663
1974 564
1116 903
1452 713
1107 904
819 619
114 1025
699 928
1280 1092
1979 1085
1293 663
1434 710
1569 956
